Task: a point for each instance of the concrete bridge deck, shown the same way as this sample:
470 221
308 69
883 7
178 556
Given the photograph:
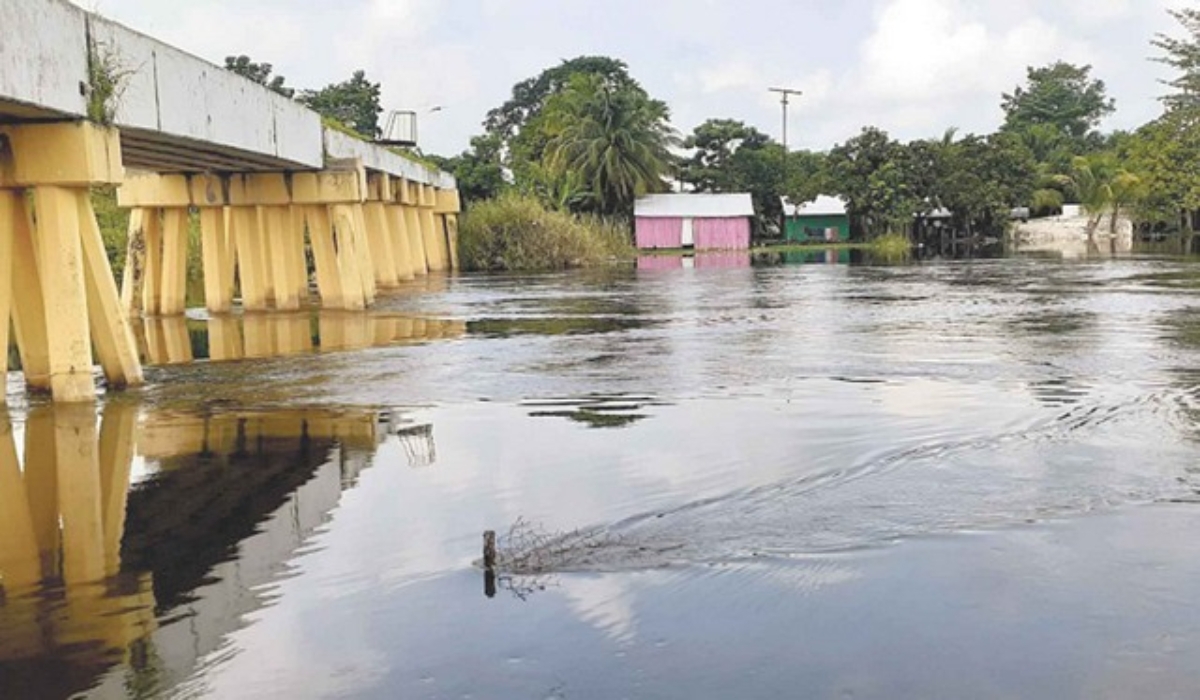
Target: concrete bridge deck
175 112
191 148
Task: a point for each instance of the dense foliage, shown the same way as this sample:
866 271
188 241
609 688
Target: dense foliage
516 232
353 103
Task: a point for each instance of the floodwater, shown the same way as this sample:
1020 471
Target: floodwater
943 480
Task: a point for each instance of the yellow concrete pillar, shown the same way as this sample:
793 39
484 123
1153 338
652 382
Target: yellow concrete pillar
379 237
416 240
76 445
108 322
282 269
265 254
452 239
217 259
297 249
8 218
174 262
447 205
152 229
329 275
19 562
133 278
401 250
244 221
28 309
62 276
362 247
60 259
435 241
349 257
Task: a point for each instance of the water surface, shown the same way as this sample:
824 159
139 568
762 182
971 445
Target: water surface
952 479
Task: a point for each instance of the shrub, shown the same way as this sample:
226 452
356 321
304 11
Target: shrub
515 232
891 247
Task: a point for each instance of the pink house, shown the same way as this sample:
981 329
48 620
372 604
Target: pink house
699 221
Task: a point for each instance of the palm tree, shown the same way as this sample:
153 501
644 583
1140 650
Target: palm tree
612 137
1104 187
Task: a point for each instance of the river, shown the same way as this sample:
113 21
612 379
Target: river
937 480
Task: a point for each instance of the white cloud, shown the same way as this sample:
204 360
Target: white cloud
913 67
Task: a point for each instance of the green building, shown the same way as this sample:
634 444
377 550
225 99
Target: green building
823 220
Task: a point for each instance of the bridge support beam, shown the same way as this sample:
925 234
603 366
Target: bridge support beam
412 224
255 230
446 208
60 291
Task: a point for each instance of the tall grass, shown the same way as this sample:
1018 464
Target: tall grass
516 232
891 247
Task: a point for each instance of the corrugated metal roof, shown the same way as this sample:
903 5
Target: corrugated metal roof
823 205
696 206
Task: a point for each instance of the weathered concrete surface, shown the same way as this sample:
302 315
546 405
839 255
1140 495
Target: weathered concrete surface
342 146
43 58
176 112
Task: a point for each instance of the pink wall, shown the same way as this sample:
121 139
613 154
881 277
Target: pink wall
659 232
722 234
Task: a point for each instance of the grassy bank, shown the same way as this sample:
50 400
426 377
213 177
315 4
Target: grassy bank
516 233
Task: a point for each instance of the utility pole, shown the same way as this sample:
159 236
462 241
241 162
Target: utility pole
785 99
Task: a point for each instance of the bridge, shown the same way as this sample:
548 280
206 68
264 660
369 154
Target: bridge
87 102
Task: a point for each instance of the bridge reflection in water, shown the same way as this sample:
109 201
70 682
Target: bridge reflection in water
133 543
175 340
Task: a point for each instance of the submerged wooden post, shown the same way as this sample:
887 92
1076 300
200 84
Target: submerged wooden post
489 563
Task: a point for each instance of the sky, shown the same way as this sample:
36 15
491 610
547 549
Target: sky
911 67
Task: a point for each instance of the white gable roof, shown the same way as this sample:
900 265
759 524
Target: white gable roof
823 205
696 206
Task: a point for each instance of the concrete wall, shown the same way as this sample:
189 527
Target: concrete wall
43 55
177 111
181 96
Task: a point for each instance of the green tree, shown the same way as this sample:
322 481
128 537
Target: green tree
520 126
614 137
529 96
1061 95
1184 56
714 145
871 172
1164 154
478 170
1105 188
259 73
729 156
353 103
